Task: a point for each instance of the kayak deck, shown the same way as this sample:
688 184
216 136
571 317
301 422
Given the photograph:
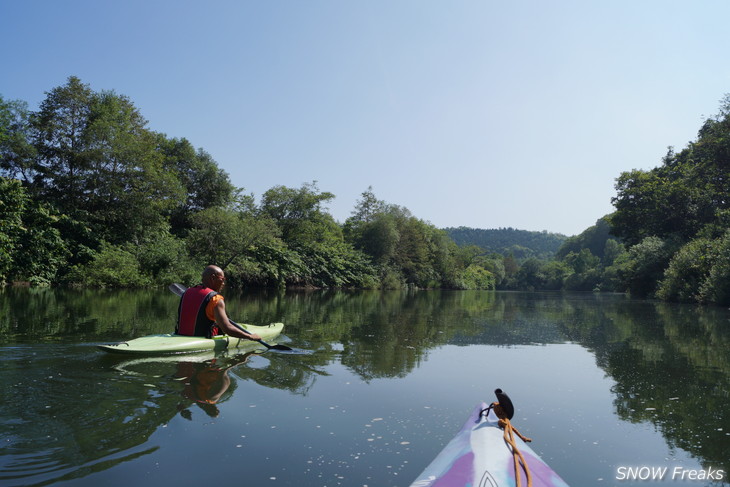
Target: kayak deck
479 456
171 343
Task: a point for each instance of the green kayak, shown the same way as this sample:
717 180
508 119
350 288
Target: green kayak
172 343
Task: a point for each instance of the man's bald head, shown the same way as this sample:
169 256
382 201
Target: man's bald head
213 277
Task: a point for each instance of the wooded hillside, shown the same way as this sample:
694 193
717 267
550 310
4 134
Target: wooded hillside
522 244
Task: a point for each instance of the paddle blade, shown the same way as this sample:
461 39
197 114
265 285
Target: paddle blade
178 289
275 347
505 402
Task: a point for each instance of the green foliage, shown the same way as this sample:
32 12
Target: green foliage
408 250
716 287
90 195
272 265
593 238
687 270
391 279
217 236
81 242
299 213
117 194
522 244
221 236
684 194
112 266
336 264
683 204
612 251
663 202
120 205
589 260
31 248
378 237
554 274
98 163
163 257
582 261
205 184
63 168
699 272
529 276
13 199
41 252
323 257
496 267
645 265
476 277
16 151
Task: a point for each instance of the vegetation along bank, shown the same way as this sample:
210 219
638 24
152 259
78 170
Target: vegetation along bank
90 196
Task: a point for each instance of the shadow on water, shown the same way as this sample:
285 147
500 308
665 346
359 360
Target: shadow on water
69 411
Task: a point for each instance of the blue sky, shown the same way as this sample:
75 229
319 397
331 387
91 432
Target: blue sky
476 113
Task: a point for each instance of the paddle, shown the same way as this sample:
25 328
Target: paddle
179 289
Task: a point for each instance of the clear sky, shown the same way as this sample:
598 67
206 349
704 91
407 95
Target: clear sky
477 113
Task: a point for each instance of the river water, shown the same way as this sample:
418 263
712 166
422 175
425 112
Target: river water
610 389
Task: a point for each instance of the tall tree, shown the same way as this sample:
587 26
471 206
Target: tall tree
299 213
17 154
403 245
129 188
98 163
59 129
206 185
683 195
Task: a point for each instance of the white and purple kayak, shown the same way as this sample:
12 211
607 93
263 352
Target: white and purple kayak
478 456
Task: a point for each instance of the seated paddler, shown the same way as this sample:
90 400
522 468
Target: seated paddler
202 310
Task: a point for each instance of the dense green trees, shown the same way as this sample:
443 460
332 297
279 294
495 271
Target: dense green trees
29 241
522 244
675 219
90 195
410 251
669 236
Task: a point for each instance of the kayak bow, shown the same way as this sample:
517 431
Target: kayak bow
479 455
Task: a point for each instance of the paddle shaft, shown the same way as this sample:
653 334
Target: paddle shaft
179 289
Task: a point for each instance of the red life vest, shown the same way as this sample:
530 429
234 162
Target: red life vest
191 317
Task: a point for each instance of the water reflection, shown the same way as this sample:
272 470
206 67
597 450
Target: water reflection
205 385
60 422
204 378
67 411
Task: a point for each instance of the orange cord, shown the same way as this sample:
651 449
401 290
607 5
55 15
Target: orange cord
509 438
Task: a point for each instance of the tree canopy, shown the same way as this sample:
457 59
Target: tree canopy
675 218
90 195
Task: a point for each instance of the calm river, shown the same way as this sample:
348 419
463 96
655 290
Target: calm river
604 386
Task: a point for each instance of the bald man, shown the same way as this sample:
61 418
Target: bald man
202 310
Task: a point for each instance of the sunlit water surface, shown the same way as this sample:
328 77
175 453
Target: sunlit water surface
378 384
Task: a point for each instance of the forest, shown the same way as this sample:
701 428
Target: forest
522 244
90 196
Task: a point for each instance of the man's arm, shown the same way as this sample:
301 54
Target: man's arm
221 319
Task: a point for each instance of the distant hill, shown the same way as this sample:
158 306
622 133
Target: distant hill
522 244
